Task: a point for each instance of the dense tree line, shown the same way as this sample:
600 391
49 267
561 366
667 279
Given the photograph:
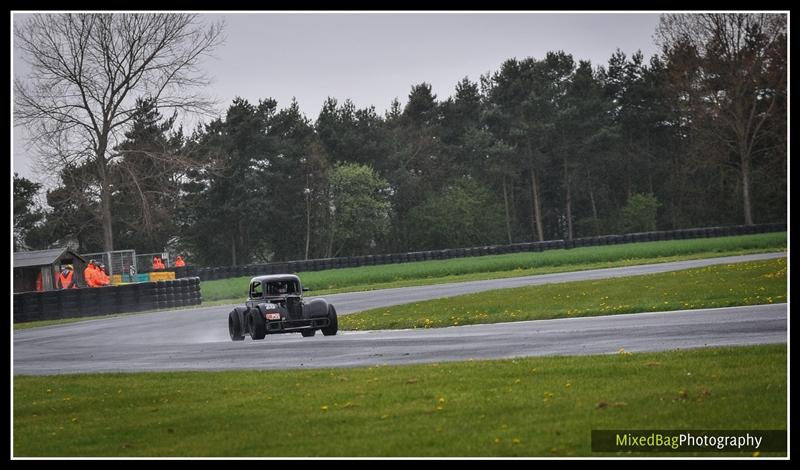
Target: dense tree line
542 148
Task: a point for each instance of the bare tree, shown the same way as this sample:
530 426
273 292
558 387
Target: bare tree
731 74
87 70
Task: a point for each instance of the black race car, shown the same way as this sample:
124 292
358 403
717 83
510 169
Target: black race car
276 305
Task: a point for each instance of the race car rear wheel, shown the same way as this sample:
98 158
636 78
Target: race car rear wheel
308 333
235 326
333 327
257 324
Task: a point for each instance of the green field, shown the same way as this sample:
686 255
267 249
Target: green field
752 283
509 265
543 406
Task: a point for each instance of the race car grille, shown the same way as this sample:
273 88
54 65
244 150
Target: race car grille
294 307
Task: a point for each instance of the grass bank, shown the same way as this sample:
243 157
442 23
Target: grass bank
524 407
752 283
509 265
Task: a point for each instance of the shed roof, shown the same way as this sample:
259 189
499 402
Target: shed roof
24 259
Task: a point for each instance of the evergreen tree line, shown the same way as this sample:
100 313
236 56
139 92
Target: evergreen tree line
542 148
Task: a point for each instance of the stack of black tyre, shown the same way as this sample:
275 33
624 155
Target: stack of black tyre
30 308
107 303
190 291
89 301
160 293
19 308
146 292
176 292
127 298
50 306
70 303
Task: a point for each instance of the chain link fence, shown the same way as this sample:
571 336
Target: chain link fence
117 262
144 262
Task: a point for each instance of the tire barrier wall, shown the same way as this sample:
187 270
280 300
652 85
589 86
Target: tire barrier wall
97 301
210 274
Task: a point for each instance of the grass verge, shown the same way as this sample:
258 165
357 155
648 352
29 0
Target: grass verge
542 406
751 283
509 265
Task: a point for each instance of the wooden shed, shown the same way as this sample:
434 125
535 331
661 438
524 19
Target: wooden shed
29 264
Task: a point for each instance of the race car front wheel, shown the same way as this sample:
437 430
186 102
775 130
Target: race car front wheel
258 324
235 326
333 326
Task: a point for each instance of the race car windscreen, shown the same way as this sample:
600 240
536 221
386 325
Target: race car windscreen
282 287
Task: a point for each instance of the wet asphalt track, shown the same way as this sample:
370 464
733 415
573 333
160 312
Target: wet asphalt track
197 339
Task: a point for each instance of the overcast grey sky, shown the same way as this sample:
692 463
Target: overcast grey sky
372 58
